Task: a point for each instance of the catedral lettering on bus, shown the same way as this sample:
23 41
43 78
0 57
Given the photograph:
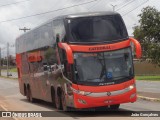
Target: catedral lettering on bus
81 61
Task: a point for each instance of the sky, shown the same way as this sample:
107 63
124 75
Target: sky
13 9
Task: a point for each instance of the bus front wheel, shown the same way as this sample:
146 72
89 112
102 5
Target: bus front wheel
64 105
114 107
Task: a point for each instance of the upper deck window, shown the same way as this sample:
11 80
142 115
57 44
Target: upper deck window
95 29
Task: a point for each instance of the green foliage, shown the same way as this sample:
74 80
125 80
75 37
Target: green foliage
13 70
50 55
148 33
150 78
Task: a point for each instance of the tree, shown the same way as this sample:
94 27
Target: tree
148 33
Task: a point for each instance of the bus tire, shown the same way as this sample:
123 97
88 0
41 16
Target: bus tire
58 100
114 107
29 95
53 97
25 90
64 105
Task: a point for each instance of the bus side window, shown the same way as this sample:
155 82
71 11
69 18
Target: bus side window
67 67
50 59
58 28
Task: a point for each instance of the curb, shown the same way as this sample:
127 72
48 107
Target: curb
148 98
9 78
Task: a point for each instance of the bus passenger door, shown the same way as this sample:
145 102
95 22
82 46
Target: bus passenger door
50 67
67 78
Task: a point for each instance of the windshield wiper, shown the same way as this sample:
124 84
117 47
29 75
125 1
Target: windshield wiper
102 72
92 80
103 64
124 76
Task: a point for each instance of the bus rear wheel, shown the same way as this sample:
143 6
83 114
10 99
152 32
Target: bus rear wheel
58 102
29 95
114 107
64 105
53 97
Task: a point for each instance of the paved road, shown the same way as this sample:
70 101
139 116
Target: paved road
11 99
148 86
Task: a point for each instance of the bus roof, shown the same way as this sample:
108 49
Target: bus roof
86 14
77 15
22 38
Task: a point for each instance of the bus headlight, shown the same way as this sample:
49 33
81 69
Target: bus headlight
80 92
131 87
84 93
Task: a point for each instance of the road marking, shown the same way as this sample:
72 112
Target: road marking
7 110
152 89
4 108
148 98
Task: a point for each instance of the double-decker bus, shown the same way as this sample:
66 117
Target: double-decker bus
81 60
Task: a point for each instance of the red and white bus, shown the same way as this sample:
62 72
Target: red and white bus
81 61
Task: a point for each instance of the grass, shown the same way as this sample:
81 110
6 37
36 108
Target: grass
10 69
13 70
149 78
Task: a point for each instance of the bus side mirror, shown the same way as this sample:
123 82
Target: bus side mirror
68 50
137 47
57 38
45 68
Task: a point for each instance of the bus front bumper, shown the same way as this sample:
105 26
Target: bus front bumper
104 99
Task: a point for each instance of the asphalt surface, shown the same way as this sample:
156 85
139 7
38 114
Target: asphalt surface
11 99
148 90
148 86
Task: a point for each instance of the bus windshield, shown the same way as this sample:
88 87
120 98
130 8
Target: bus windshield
104 66
97 29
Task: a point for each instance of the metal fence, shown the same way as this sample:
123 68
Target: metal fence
10 73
